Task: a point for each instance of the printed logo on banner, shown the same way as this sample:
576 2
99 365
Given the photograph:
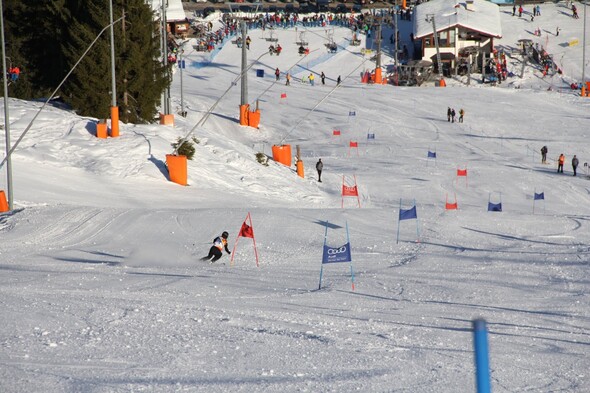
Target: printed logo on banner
349 190
337 254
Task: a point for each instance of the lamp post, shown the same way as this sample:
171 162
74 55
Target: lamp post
6 112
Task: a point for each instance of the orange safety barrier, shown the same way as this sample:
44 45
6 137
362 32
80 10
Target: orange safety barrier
378 76
177 169
300 169
442 83
583 92
254 118
336 132
115 121
3 203
166 120
365 77
244 112
282 154
101 130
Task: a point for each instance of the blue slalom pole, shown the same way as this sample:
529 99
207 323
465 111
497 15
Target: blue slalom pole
398 220
482 363
322 266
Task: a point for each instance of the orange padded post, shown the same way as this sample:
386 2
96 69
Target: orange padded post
244 112
101 130
282 154
442 83
114 121
166 120
3 203
300 169
177 169
378 77
583 91
254 118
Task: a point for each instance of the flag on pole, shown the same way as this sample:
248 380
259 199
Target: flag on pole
538 197
408 214
245 231
336 255
336 132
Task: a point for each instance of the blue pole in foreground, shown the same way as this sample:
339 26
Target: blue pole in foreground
482 363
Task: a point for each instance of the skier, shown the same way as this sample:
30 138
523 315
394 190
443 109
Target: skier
575 163
319 166
323 76
544 155
560 162
461 114
338 80
277 73
219 243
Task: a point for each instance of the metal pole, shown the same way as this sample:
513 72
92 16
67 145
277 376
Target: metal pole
166 103
181 66
584 49
6 118
113 84
244 84
438 60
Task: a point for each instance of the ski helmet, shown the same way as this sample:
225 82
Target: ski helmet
225 235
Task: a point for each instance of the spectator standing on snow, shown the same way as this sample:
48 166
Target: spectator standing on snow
574 12
514 10
452 115
560 162
575 163
319 166
520 10
288 78
248 41
449 114
538 10
277 73
323 77
311 79
557 31
544 155
338 80
461 114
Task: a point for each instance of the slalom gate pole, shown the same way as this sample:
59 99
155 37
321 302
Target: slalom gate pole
253 239
351 269
322 267
398 220
482 365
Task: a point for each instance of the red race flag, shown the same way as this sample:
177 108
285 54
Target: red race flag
246 231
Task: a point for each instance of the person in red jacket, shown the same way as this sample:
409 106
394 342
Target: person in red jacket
219 243
560 163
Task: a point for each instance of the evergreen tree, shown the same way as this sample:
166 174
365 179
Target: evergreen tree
48 37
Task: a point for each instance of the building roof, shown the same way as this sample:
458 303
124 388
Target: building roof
174 11
483 17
